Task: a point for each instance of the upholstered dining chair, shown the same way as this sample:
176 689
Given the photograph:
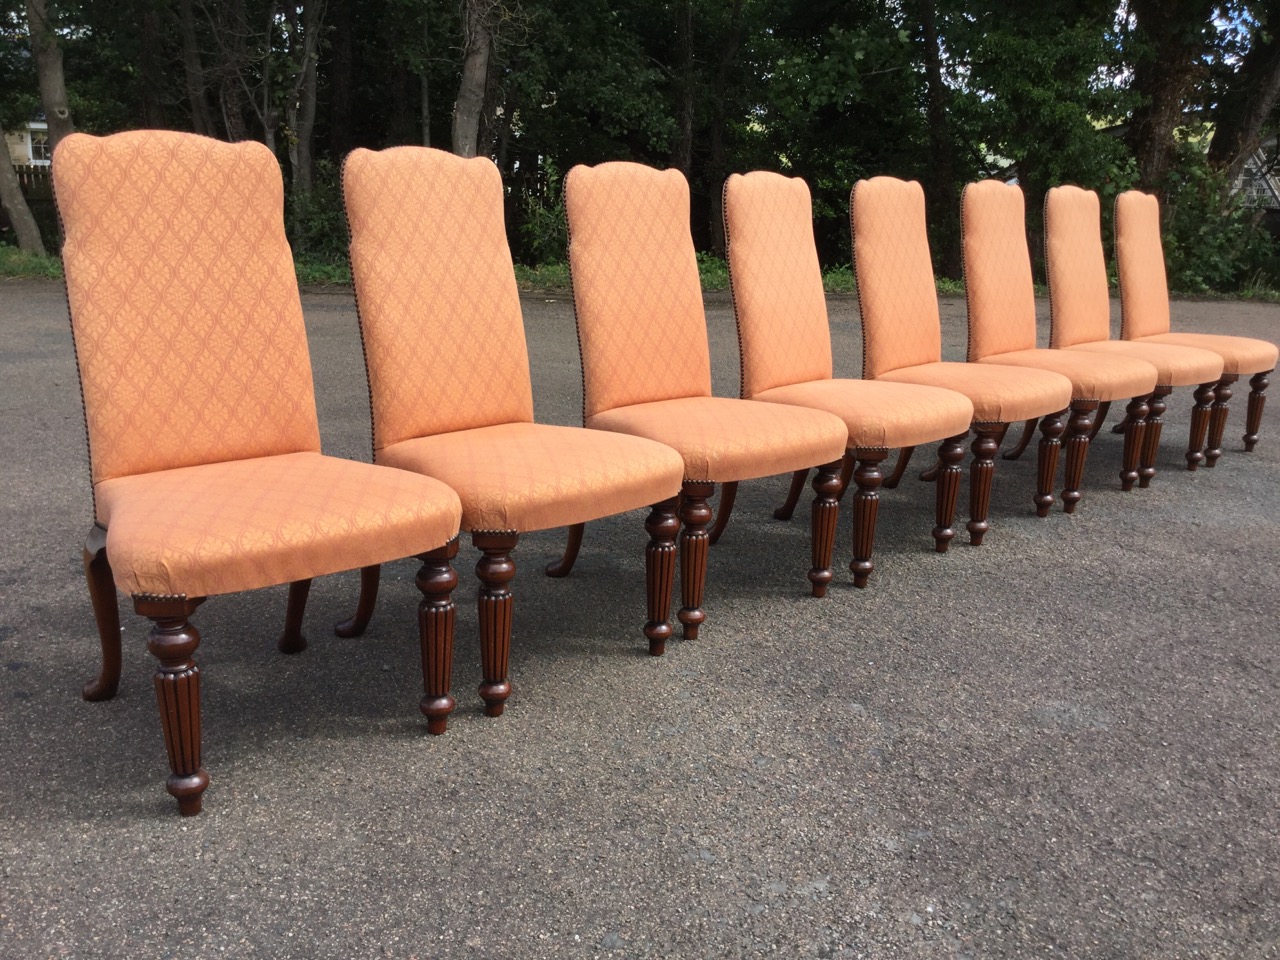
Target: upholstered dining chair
1002 329
784 343
902 341
1144 313
1080 318
204 446
646 363
451 391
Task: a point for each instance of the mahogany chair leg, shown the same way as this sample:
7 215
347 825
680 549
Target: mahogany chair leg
1218 418
1051 428
695 514
1028 431
1079 434
1155 426
662 525
495 568
986 444
436 580
785 511
173 641
106 614
950 455
899 468
1258 384
1135 439
724 509
822 525
930 474
866 507
847 464
1101 418
573 543
292 640
1199 424
357 625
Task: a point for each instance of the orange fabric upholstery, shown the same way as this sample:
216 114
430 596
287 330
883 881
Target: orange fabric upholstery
1240 355
439 310
723 439
997 270
1175 366
184 305
1144 290
1079 301
1093 377
532 476
896 292
783 333
999 394
636 290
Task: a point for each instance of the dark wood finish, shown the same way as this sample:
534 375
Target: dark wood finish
822 525
1218 418
1080 432
1258 384
1199 424
106 614
930 474
724 510
1101 418
866 508
695 514
662 525
1136 414
1028 431
785 511
292 640
354 627
436 580
899 468
847 464
573 543
986 444
1051 428
173 641
495 568
950 455
1156 408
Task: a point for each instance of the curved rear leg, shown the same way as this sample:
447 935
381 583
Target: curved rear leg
785 511
1028 431
1218 418
930 474
292 640
563 566
1258 384
724 509
899 468
1051 427
1199 424
369 577
106 613
950 454
866 507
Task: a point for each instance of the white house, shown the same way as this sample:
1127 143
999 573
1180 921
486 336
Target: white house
29 144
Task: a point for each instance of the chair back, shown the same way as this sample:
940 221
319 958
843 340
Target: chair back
1144 289
1079 302
636 292
776 280
444 338
997 270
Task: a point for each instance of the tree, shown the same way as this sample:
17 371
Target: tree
1247 103
47 53
15 205
479 22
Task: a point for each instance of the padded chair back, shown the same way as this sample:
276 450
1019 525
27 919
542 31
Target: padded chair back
184 304
439 309
636 290
783 333
1144 289
896 293
1079 303
997 270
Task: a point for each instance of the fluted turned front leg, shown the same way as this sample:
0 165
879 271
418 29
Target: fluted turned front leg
1156 408
1135 441
950 456
1051 428
1218 418
1079 432
822 528
986 444
356 625
291 639
695 514
1199 424
788 508
436 580
106 615
866 509
495 569
1258 384
662 526
173 641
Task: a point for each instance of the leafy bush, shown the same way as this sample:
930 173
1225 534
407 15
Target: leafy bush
316 225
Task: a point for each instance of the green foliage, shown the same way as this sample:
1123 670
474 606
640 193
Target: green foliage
18 263
713 272
316 223
322 273
544 227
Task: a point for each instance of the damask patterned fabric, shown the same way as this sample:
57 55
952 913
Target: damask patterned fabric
1079 301
999 394
533 476
997 270
1240 355
1176 366
184 305
439 309
222 527
1093 377
783 333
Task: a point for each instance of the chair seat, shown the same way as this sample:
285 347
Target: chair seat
999 394
223 527
1175 366
879 414
1240 355
533 476
1095 377
723 439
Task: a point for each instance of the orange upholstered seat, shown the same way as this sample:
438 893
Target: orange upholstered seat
902 339
203 439
646 360
1144 299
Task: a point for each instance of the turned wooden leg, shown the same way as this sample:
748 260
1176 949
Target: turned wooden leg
986 444
1028 431
1051 428
106 614
357 625
572 544
1199 424
724 509
785 511
436 580
695 514
899 468
950 454
1151 442
292 640
822 525
866 507
1079 431
1135 439
1218 418
495 568
1258 384
173 641
662 525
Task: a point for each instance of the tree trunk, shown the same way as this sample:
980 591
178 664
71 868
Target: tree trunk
302 103
48 58
151 70
341 76
15 205
193 70
944 197
682 154
1244 108
478 37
